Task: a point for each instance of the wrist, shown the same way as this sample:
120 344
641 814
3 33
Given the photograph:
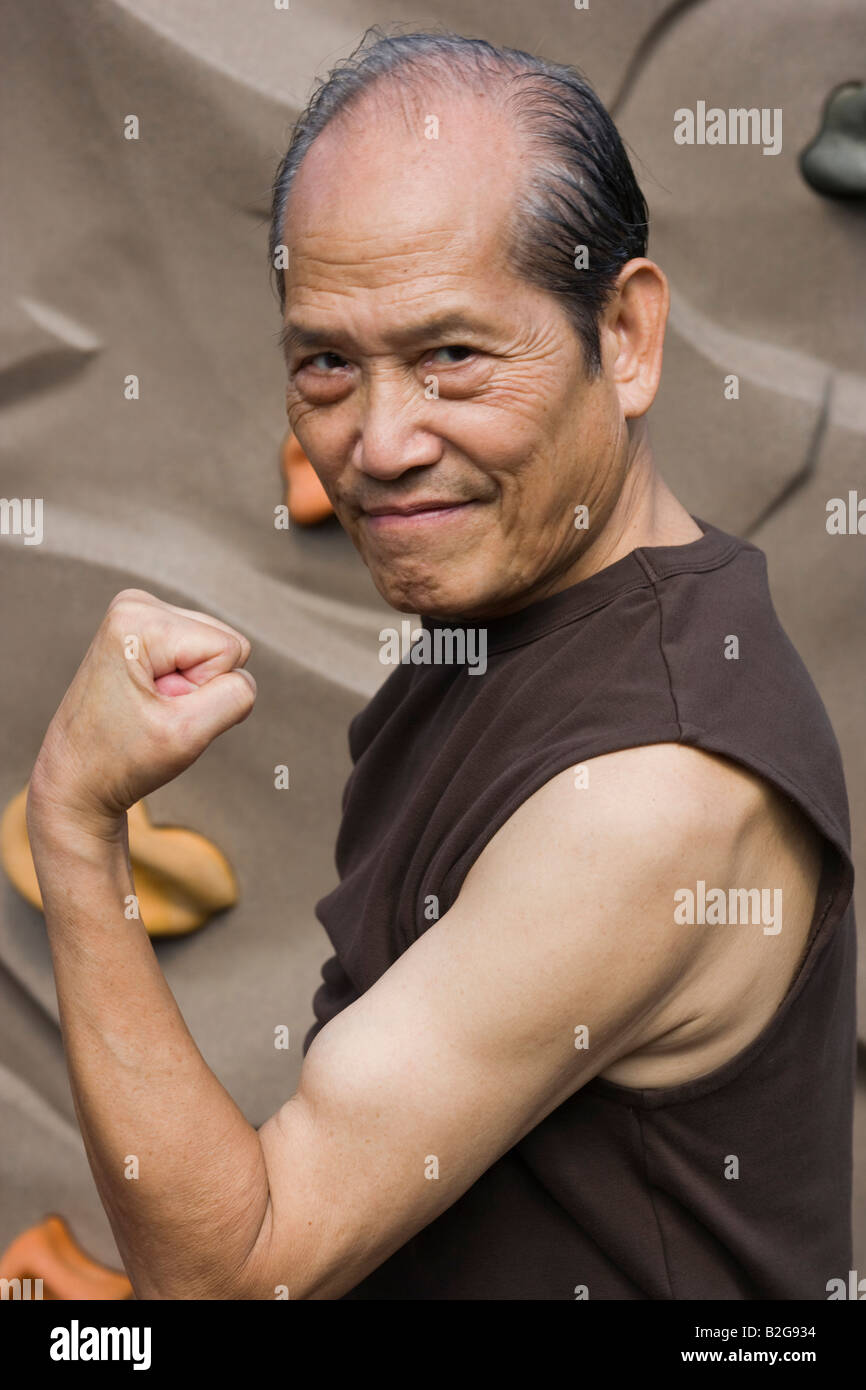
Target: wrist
69 822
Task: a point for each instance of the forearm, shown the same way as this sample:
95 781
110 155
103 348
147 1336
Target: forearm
180 1172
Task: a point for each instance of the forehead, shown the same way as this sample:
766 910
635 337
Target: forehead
403 192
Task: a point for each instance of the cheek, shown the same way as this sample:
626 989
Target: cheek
536 416
321 444
545 460
504 435
518 455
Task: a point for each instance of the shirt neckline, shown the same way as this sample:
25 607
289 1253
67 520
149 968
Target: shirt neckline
638 569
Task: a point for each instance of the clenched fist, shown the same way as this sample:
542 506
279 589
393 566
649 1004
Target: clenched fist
157 685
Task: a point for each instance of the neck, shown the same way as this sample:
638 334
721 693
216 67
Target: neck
646 513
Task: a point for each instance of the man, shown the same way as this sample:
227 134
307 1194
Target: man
588 1029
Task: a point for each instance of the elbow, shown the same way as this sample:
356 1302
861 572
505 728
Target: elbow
206 1275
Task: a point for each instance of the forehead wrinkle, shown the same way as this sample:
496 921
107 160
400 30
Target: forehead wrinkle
434 289
450 261
395 281
367 271
345 250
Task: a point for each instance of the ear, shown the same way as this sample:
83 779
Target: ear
632 334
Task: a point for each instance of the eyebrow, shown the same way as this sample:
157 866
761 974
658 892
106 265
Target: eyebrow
295 336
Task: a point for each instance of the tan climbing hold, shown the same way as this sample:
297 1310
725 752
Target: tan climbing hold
49 1252
180 878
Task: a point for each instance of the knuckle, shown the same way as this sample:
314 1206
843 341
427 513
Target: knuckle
125 613
122 621
235 647
126 596
234 641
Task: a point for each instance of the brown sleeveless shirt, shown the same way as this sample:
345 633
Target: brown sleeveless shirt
620 1191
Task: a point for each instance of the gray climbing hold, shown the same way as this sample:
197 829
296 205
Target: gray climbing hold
834 164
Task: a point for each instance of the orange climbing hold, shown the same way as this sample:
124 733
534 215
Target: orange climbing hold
49 1253
307 500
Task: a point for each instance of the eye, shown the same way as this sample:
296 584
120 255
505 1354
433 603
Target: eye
327 361
459 348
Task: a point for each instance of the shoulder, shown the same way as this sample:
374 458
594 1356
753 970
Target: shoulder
663 789
669 795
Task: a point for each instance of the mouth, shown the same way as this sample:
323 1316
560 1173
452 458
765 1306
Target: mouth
415 514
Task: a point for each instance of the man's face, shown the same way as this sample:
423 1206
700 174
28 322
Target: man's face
442 401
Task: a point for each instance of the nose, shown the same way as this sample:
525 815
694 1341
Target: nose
396 431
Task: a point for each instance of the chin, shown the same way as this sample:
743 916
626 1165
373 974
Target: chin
443 604
448 581
424 596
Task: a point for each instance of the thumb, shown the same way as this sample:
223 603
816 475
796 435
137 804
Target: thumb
219 704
